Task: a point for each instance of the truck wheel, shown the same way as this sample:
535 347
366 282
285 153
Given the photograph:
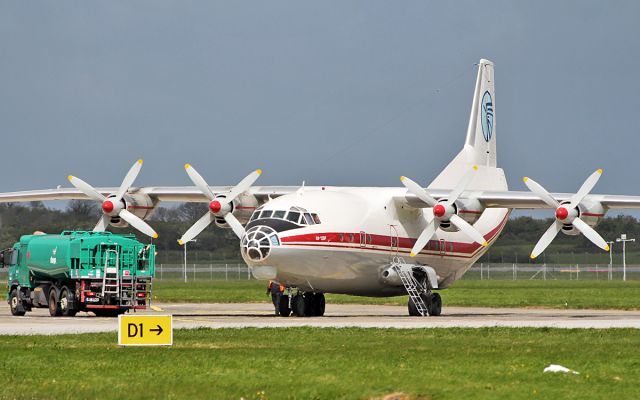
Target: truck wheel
66 304
54 307
14 302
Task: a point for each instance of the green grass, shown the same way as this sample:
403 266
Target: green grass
487 293
305 363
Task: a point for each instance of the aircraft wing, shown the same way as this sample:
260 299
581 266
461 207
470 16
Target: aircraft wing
527 200
161 193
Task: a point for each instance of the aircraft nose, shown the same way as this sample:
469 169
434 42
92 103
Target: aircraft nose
257 242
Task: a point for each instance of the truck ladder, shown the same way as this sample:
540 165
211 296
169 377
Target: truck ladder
127 290
110 279
412 286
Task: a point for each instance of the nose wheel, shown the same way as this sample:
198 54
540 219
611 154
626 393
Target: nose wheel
305 305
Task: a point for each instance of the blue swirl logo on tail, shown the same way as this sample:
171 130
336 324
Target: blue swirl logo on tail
487 116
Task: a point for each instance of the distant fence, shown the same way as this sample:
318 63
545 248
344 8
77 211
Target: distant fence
515 271
479 271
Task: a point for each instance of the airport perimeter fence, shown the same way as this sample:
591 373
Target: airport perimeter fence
479 271
515 271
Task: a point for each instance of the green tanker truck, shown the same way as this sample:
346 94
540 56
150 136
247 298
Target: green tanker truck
75 271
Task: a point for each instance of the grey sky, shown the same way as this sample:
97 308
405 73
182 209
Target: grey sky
343 93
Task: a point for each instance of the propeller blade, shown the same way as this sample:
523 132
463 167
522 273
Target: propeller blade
468 229
590 234
199 181
546 239
196 228
536 188
137 223
87 189
424 238
461 186
244 185
585 189
128 180
418 191
233 222
102 224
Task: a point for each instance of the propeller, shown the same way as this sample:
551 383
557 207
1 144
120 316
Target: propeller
443 211
220 206
567 213
113 205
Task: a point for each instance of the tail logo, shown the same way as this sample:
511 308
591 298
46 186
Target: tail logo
487 116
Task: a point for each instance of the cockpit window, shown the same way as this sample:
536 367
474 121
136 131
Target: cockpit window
296 215
308 219
293 216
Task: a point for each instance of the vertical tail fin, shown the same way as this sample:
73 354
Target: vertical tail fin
480 145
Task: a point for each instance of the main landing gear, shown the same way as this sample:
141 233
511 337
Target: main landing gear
432 301
302 304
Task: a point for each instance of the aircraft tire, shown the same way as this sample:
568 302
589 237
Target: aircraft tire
284 309
299 306
319 304
435 308
413 310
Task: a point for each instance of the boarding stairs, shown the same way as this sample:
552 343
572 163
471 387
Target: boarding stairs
412 286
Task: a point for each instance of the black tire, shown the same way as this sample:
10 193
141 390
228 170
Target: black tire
285 311
14 302
67 308
299 306
435 308
317 304
54 306
413 310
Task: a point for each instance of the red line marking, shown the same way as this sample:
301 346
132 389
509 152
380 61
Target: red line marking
592 215
404 244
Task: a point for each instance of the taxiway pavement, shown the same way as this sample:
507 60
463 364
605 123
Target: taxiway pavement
260 315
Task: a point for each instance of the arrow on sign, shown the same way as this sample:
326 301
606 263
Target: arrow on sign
159 330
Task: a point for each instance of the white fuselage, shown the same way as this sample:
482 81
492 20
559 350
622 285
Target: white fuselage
360 231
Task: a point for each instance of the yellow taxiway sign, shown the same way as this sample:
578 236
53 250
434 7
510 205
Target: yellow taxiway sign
145 330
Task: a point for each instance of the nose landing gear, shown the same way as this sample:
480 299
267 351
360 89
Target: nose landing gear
302 304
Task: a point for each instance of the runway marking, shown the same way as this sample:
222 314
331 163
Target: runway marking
156 308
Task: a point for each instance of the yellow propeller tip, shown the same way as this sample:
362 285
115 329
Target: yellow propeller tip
606 248
155 235
402 178
532 257
475 167
526 178
412 254
599 170
70 178
485 244
140 161
187 166
180 242
259 171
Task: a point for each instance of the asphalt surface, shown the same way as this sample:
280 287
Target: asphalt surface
260 315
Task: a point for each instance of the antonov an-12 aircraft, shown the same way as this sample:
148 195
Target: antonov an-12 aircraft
365 241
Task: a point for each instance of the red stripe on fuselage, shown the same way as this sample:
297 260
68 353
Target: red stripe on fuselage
405 244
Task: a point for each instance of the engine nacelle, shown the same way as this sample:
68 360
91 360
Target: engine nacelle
389 275
591 213
468 209
242 207
139 204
